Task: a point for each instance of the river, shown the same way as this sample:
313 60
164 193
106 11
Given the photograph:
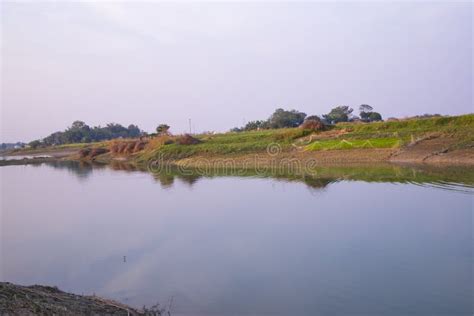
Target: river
395 244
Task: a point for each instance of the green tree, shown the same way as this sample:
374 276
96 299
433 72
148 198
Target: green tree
365 108
339 114
375 116
133 131
35 144
162 129
78 124
368 115
283 118
254 125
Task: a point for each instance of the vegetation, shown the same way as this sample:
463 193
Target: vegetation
367 115
80 132
286 119
461 126
283 119
279 119
339 114
313 123
222 144
333 144
306 133
162 129
346 135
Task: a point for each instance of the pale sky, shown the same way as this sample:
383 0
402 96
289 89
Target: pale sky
221 64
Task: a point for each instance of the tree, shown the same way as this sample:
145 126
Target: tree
162 129
78 124
254 125
133 131
282 118
367 114
80 132
365 108
236 130
375 116
339 114
35 144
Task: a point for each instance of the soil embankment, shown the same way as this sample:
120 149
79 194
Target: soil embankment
44 300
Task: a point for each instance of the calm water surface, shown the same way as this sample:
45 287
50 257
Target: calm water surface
240 245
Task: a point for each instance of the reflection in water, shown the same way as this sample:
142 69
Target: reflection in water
448 178
244 245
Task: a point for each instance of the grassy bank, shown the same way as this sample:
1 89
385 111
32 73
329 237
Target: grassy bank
444 137
398 134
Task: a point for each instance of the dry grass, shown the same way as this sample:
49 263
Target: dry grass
127 147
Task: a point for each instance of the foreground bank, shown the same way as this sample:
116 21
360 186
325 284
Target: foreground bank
46 300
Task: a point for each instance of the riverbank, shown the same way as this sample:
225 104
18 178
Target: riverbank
441 140
45 300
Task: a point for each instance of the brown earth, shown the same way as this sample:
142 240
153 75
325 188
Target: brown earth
435 150
45 300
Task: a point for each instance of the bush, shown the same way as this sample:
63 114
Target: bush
139 146
98 151
92 152
168 142
312 125
187 139
83 153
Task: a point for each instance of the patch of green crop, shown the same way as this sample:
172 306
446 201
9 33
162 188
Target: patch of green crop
334 144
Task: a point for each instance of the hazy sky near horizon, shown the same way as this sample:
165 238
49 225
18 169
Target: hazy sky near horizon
222 64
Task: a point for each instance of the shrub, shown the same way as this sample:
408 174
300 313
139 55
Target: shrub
98 151
312 125
168 142
92 152
139 146
187 139
129 148
83 153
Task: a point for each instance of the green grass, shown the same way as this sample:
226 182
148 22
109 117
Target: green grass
229 143
459 125
334 144
355 135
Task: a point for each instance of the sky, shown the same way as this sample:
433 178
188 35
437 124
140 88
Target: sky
222 64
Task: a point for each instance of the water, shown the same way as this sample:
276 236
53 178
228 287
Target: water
396 242
22 157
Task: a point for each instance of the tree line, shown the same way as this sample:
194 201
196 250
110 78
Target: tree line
292 118
80 132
